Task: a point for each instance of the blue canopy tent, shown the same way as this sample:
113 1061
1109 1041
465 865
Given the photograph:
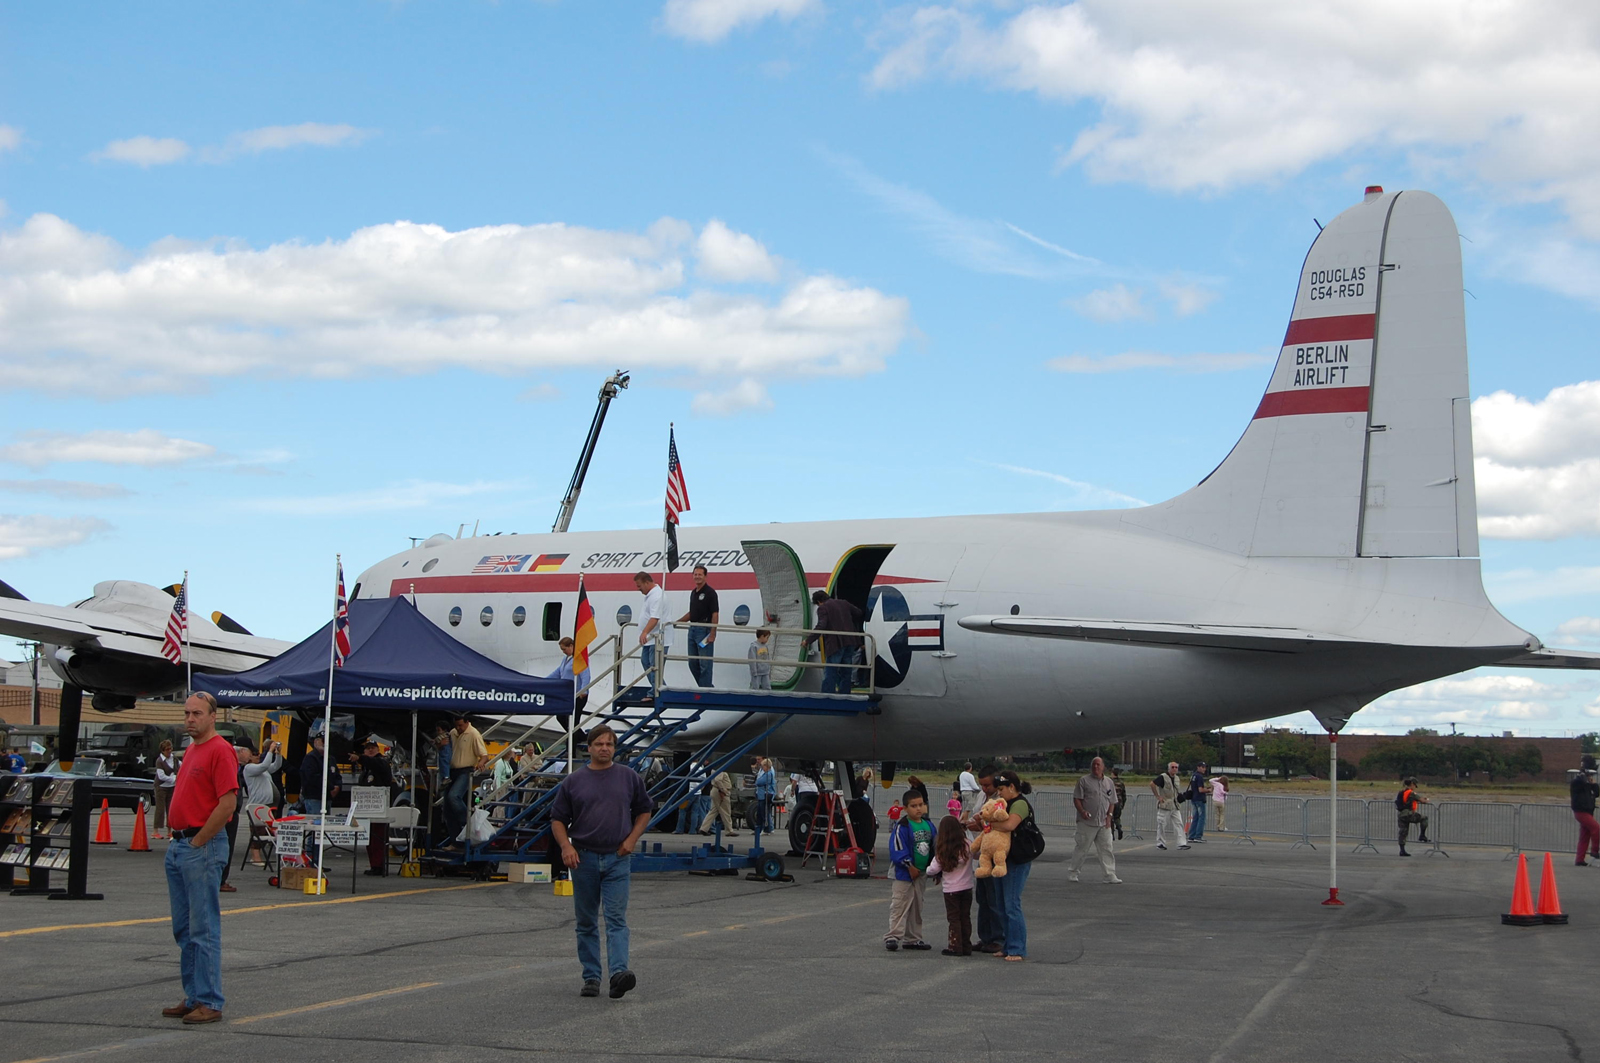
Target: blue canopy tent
399 660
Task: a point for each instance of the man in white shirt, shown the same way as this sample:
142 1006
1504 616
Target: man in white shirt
968 785
652 620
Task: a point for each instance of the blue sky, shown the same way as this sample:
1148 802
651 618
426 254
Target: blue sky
279 282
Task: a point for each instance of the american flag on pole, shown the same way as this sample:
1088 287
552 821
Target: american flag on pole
177 626
341 624
677 498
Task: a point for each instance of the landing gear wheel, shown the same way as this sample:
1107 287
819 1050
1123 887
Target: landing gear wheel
805 806
865 822
770 867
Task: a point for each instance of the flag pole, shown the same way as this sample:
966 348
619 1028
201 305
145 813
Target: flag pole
188 662
327 725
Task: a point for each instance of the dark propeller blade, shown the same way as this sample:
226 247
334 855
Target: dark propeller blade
228 623
8 591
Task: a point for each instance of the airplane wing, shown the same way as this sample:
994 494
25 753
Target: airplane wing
1548 658
1257 638
90 629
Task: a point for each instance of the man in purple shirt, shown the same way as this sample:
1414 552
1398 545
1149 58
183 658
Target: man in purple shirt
598 815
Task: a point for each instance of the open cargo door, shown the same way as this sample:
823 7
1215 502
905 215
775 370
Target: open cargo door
785 603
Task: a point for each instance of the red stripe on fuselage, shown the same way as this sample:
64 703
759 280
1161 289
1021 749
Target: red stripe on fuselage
1312 400
567 582
1329 329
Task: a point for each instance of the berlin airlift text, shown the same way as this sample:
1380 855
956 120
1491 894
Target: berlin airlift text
1323 364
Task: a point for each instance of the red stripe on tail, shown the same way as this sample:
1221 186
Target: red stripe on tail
1312 400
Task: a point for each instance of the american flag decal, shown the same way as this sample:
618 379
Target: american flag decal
925 632
498 564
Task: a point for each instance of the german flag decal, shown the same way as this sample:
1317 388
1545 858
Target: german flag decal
549 562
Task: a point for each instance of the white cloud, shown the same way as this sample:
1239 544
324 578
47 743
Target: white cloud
10 138
25 534
1084 494
539 393
409 494
1579 632
1116 303
79 313
747 394
1480 700
1530 585
144 151
1538 463
726 255
63 488
709 21
144 447
1131 360
1216 93
281 137
1187 299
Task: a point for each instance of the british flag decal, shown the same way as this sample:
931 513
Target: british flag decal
497 564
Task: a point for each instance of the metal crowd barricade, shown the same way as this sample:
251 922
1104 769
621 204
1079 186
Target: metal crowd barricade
1546 828
1472 823
1139 815
1053 808
1353 821
1282 816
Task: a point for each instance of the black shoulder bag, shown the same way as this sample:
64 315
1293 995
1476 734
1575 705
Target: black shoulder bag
1026 841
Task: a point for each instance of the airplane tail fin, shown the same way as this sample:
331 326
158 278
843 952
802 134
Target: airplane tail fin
1362 444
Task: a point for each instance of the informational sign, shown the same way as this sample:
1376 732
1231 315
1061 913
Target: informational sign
291 838
369 802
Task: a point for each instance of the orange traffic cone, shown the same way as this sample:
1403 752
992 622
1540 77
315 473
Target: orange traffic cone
1549 900
102 834
141 840
1522 913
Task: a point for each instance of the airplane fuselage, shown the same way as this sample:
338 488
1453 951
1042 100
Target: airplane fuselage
948 691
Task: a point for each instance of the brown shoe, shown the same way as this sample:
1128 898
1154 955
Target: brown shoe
178 1011
202 1014
227 887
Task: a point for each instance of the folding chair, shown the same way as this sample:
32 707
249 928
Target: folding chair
263 834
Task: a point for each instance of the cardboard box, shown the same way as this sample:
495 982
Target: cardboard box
528 873
294 878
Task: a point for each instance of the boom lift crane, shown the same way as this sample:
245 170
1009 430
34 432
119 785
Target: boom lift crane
615 383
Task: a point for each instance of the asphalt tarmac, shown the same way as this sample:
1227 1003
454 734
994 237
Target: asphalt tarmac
1219 953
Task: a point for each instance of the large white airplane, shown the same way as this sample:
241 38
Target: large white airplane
1330 558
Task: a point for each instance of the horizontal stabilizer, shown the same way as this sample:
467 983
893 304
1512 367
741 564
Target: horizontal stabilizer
1253 637
1548 658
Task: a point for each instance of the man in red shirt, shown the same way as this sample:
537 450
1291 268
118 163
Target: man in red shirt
202 803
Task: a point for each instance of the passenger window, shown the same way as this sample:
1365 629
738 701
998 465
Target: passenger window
487 616
455 616
741 615
624 615
552 621
519 616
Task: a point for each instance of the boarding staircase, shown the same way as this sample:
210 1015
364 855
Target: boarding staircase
655 725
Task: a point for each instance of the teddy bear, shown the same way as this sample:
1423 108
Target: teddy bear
992 845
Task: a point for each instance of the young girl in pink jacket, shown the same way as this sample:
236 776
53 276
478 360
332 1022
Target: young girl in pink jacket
952 867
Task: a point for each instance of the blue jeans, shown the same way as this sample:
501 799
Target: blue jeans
1016 927
647 661
836 679
455 803
701 809
991 913
312 805
763 814
1197 824
601 880
194 875
701 670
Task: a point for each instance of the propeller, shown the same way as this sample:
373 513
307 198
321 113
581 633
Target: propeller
228 623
